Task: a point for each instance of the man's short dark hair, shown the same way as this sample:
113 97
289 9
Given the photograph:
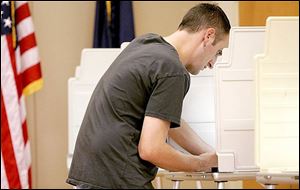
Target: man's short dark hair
206 15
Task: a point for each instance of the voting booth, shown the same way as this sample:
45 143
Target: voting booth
277 97
235 100
202 108
256 106
249 133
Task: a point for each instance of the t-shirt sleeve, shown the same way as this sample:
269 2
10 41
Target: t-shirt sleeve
166 99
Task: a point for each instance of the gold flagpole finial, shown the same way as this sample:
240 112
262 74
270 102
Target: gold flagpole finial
108 10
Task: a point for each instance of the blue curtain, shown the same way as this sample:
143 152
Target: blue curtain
114 28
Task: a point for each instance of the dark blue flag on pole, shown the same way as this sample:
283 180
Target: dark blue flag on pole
113 24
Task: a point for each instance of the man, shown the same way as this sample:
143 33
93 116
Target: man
137 104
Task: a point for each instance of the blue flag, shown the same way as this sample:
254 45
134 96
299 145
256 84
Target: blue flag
113 24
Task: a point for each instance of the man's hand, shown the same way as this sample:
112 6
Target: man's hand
208 160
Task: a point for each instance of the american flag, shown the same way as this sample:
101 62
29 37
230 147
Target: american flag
20 75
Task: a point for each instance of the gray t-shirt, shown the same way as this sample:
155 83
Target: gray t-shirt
146 79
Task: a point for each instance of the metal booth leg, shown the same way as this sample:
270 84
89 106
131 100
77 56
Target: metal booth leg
176 184
221 184
270 186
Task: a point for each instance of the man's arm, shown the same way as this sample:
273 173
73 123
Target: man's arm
153 148
186 137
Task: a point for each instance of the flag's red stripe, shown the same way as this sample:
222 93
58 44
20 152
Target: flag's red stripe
9 159
13 64
27 42
29 178
31 74
25 133
22 12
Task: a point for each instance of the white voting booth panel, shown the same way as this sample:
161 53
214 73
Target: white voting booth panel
277 97
94 62
198 110
198 107
235 101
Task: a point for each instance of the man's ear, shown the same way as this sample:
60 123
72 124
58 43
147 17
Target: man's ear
209 36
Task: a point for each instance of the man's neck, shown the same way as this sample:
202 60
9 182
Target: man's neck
184 43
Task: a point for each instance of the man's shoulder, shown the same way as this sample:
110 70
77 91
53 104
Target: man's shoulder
150 40
148 36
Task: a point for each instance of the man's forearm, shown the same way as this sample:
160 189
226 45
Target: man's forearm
186 137
173 160
153 148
